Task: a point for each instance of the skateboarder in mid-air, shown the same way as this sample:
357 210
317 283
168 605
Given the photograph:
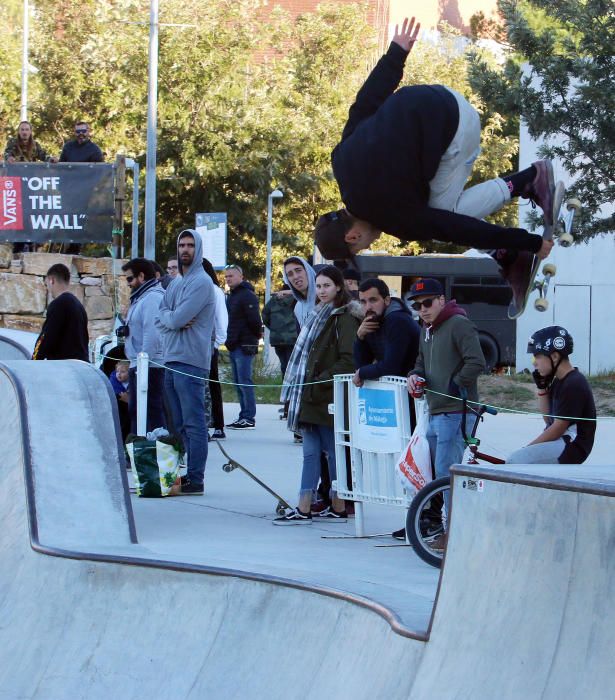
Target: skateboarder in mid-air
401 166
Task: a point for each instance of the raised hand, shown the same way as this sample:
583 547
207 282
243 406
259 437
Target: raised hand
408 35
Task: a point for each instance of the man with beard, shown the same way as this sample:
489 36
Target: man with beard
144 336
388 338
387 341
81 149
186 323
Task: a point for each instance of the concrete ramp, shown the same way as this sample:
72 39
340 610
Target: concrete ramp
524 608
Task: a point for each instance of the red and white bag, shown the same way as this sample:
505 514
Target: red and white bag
414 464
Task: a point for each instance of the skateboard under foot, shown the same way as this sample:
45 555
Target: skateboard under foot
516 307
233 464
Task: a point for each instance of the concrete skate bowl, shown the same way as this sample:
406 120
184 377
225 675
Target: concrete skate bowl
523 609
16 345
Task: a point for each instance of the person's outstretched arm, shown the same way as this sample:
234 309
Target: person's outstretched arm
385 76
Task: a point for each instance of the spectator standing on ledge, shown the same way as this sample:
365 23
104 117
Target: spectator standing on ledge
144 336
244 331
186 322
450 358
64 335
564 398
24 149
219 338
280 319
81 149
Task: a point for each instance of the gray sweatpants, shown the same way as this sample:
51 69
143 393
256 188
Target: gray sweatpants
541 453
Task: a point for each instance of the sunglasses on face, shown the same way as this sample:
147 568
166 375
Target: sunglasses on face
129 278
426 303
81 131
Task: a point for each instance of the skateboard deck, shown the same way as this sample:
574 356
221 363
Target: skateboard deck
516 307
233 464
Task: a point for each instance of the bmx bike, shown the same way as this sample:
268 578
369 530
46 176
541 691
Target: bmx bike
426 521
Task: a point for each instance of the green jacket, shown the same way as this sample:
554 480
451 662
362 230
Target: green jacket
331 354
279 317
13 148
450 357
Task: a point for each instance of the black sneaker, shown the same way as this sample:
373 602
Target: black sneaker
189 489
295 517
242 424
331 515
399 534
218 434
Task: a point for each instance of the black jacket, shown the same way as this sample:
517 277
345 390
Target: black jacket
244 320
86 152
394 346
391 147
64 335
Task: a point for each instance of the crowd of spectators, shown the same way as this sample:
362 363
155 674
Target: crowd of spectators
322 322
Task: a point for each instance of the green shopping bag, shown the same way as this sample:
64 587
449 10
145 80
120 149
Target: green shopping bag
155 465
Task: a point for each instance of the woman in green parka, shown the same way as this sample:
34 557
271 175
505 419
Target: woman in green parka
323 349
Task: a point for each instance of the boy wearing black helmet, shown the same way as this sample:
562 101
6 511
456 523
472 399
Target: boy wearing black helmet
565 399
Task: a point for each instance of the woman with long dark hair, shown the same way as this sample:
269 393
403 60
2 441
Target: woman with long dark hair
323 349
216 413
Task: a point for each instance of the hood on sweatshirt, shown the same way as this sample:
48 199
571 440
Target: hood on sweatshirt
198 251
305 305
451 308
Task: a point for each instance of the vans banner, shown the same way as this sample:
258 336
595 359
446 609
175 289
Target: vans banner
71 202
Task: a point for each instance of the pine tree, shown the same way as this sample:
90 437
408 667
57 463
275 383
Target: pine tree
565 96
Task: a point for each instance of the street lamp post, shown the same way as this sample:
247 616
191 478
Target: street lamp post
276 194
24 62
152 125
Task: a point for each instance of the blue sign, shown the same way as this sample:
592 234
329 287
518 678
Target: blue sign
377 408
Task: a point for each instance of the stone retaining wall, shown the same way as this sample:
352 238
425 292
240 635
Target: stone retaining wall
98 283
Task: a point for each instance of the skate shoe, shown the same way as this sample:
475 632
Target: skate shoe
518 276
541 190
333 516
295 517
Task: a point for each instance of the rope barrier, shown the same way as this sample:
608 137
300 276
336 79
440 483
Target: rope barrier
429 391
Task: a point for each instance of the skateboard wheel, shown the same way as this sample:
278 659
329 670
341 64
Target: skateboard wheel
228 467
280 509
541 304
566 240
573 203
549 269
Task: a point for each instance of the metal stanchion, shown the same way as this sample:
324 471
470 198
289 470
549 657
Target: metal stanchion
142 385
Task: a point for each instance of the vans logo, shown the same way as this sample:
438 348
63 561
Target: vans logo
11 211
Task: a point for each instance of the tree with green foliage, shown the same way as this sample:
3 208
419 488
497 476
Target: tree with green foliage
565 96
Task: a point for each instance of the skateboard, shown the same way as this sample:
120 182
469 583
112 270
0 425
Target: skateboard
549 230
232 464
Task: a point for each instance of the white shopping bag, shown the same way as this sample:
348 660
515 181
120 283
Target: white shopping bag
414 464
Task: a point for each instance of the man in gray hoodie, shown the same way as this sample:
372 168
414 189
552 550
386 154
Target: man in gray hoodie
143 336
299 275
186 322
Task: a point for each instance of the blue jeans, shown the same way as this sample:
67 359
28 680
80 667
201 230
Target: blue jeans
186 398
241 364
316 440
446 444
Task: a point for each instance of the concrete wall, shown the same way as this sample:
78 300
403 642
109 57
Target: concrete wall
98 283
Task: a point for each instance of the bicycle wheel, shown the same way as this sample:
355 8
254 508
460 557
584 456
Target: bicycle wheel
424 521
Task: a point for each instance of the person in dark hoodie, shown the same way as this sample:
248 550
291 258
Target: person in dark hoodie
450 358
402 164
243 333
186 323
388 338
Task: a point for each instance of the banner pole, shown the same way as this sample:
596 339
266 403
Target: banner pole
142 386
